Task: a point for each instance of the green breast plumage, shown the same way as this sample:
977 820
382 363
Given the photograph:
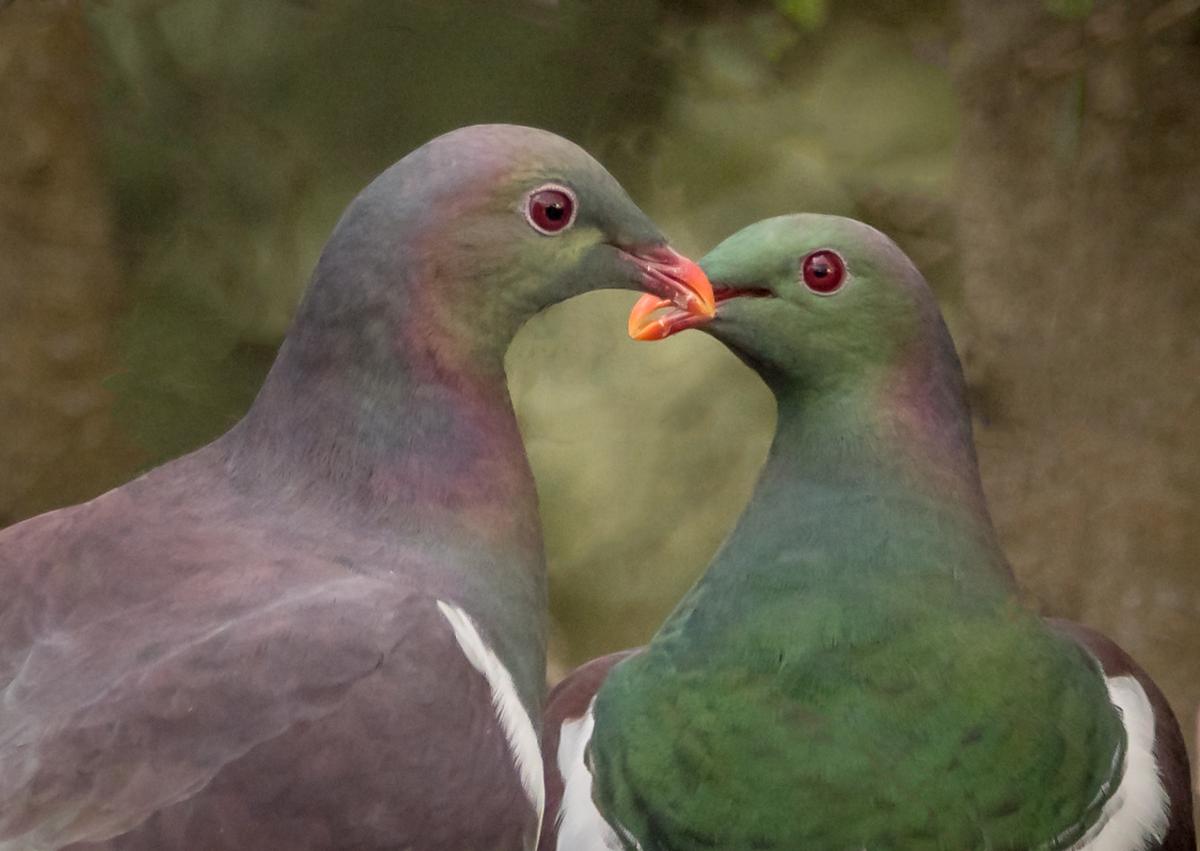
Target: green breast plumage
959 730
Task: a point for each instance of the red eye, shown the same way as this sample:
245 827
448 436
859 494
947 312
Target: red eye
823 272
551 209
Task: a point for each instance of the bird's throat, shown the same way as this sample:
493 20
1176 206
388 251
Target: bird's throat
411 437
864 502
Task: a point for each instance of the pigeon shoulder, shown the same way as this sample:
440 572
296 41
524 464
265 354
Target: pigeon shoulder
1165 755
572 820
131 735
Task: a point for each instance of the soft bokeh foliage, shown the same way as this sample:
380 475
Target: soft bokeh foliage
1002 150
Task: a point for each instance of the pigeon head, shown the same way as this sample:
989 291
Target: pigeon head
812 300
455 246
391 380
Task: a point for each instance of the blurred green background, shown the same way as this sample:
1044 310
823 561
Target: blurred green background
170 168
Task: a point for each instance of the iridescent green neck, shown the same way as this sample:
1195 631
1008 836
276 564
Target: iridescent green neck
869 505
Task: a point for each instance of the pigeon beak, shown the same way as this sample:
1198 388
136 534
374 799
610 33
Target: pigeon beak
671 278
645 326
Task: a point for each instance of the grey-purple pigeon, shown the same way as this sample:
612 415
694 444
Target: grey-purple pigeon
326 629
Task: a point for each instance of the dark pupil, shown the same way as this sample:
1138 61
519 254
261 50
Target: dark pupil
821 268
555 211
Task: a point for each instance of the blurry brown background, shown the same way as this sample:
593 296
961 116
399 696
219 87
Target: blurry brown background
170 168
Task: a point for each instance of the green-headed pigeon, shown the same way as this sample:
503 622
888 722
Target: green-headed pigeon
854 669
326 628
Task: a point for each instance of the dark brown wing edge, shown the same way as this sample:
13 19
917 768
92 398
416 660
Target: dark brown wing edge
568 700
1169 749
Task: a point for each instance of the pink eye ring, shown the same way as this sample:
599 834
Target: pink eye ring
823 271
550 209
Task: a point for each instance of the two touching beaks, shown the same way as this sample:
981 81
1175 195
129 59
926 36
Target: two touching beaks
682 289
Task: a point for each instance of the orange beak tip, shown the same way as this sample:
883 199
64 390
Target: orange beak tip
679 283
705 301
641 326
